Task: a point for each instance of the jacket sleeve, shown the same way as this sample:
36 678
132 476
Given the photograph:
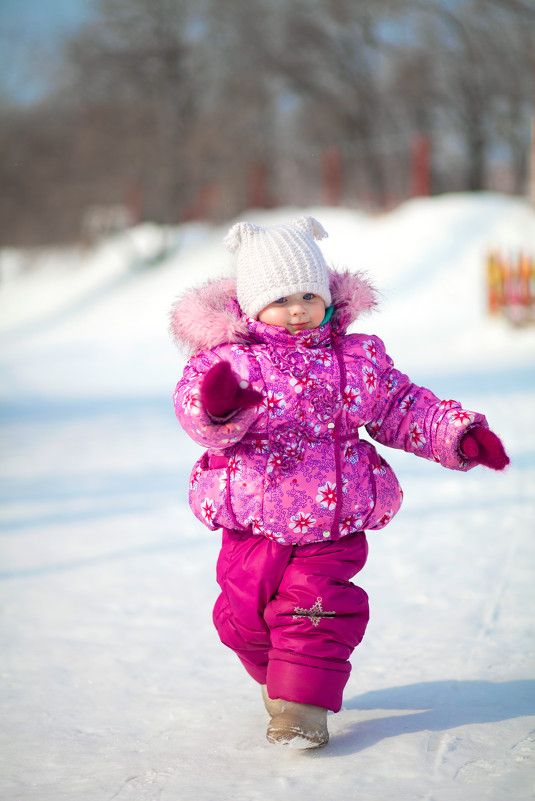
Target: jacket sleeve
210 432
412 418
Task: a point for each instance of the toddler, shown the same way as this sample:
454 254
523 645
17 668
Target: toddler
278 393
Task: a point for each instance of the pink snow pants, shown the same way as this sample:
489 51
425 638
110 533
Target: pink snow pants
291 614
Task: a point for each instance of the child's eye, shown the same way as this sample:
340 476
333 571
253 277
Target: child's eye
280 300
308 296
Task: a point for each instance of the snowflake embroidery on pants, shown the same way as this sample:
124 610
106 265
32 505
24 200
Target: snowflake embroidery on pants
315 613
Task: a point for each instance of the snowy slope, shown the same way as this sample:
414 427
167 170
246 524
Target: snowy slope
115 685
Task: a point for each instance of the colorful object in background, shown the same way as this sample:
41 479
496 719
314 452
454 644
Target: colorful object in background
511 286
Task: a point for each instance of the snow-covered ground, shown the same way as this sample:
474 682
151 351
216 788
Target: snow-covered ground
114 683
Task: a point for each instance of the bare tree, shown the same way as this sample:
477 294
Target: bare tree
141 56
329 53
372 74
481 53
239 99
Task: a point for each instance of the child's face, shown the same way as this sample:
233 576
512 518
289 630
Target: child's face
298 312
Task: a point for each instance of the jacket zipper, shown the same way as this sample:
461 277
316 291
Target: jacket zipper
335 528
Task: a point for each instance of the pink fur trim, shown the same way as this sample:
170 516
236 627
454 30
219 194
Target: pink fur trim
203 317
200 318
351 294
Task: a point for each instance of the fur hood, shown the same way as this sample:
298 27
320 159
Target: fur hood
209 315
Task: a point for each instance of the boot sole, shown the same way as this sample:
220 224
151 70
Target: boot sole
296 738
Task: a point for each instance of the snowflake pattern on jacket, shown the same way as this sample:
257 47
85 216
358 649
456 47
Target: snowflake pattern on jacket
294 468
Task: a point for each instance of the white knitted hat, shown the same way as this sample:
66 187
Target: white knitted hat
278 261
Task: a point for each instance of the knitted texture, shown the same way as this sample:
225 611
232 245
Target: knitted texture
278 261
484 447
222 393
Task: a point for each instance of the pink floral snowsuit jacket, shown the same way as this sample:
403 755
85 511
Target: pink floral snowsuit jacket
294 468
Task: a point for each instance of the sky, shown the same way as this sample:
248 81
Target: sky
38 18
30 31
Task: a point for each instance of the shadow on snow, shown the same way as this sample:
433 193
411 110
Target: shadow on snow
444 705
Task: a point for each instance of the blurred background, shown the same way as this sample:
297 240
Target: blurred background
113 112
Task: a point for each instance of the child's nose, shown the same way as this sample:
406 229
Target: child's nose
297 308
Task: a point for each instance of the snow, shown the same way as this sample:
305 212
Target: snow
114 682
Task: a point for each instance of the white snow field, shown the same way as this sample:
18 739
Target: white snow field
115 686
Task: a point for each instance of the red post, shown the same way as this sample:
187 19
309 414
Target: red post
257 186
134 202
203 206
332 176
420 166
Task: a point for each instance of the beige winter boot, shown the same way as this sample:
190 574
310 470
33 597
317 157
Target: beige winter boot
273 705
299 726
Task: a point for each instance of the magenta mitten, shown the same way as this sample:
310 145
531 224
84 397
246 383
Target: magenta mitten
483 446
221 392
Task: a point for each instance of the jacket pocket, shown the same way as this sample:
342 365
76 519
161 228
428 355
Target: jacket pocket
209 492
388 495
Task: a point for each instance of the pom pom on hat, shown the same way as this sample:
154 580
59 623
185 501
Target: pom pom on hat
278 261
